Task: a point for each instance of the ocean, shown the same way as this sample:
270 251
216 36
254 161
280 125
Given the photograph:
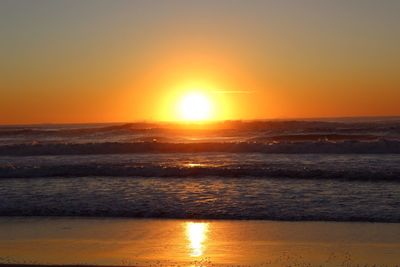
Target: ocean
299 170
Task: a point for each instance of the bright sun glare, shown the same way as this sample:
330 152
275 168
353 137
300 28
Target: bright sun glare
197 234
195 106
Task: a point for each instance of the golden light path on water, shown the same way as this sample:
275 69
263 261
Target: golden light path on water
196 233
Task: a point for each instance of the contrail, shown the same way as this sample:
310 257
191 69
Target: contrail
234 92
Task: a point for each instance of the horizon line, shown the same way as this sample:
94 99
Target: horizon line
327 118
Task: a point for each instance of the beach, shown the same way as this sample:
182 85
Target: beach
154 242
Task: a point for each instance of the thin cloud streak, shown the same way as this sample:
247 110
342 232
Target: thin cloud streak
234 92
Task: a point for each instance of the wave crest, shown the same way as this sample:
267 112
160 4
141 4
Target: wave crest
382 146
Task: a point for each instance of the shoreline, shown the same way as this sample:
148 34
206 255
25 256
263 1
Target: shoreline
196 219
105 242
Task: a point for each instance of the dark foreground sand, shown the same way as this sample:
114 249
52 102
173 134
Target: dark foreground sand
130 242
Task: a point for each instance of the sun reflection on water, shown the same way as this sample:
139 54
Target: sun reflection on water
193 165
196 233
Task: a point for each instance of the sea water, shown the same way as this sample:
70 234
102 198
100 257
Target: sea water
337 170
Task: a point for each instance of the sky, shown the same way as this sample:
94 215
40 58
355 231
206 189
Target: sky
119 61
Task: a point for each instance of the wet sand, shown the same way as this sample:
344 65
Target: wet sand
132 242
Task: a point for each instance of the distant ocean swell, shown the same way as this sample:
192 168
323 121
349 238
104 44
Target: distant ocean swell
382 146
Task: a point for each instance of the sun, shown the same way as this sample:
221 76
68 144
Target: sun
195 106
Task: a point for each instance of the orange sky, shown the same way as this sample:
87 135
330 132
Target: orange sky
103 61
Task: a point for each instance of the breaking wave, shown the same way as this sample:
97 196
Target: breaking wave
305 166
382 146
115 170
